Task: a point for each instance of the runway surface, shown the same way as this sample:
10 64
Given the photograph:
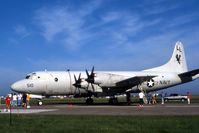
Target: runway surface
67 109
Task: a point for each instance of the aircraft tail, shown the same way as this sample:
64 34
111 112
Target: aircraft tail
177 62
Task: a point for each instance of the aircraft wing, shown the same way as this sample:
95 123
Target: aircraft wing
189 76
133 81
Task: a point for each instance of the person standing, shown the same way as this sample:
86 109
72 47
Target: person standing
19 98
28 101
141 96
149 98
162 97
14 100
24 100
8 101
189 97
154 99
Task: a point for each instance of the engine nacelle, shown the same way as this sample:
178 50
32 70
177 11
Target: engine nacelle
87 86
97 88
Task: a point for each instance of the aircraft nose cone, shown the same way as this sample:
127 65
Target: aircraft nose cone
17 87
14 87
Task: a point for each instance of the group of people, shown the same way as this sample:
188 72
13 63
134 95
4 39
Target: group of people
151 99
15 100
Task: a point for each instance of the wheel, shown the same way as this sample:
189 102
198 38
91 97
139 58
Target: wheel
113 101
128 98
40 103
89 101
182 100
165 100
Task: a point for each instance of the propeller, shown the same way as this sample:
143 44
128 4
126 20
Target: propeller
92 86
77 83
90 78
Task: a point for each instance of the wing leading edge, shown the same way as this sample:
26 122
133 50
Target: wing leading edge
134 81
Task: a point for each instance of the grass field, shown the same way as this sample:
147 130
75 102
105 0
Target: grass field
99 124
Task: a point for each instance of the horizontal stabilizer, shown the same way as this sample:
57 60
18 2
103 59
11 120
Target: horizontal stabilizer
189 76
190 73
134 81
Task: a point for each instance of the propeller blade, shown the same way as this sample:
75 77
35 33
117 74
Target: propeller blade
92 72
79 78
87 73
93 87
75 78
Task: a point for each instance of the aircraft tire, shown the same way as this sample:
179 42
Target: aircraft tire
113 101
39 103
89 101
182 99
128 98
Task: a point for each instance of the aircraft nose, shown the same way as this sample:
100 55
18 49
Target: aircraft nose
17 86
13 87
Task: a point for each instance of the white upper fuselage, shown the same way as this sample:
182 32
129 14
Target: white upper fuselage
61 82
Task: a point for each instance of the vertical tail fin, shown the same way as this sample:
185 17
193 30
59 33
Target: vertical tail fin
177 62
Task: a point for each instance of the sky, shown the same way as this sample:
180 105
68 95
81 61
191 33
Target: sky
108 34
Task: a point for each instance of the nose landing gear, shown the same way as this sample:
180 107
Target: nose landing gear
39 102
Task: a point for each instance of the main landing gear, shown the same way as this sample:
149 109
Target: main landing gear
89 101
128 98
113 101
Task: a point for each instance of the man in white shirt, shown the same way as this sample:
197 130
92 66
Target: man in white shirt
14 100
19 98
141 96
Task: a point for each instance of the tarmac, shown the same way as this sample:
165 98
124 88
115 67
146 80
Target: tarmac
117 110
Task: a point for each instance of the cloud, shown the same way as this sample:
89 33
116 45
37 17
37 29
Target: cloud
158 7
111 16
76 28
21 31
115 33
65 24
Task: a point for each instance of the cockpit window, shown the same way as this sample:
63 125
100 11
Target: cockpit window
28 76
32 76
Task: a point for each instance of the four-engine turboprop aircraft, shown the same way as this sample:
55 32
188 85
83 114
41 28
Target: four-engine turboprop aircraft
174 72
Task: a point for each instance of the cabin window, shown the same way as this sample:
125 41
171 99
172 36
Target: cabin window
56 79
